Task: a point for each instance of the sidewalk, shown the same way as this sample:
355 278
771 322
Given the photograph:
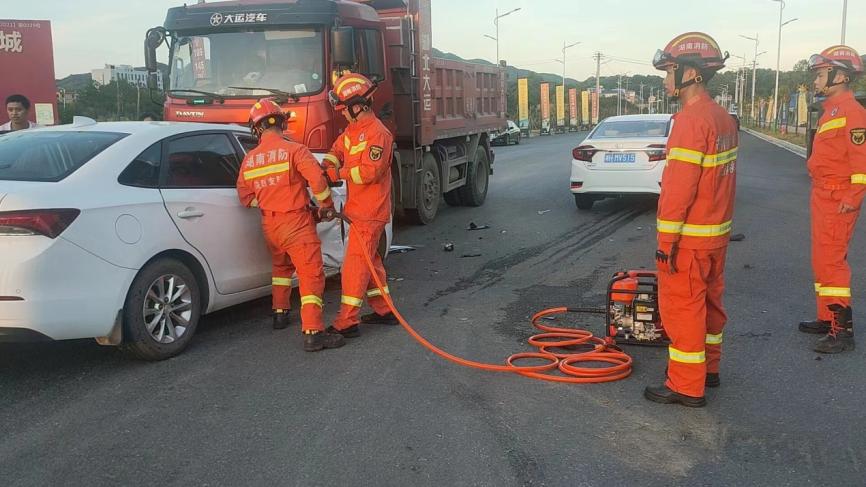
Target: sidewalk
788 146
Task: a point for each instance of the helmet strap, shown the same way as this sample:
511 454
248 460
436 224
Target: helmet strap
679 84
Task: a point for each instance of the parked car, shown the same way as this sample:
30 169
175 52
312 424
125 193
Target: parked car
128 232
511 134
622 155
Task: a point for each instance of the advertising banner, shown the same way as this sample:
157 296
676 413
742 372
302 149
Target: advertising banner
584 107
523 103
594 107
572 106
560 106
545 105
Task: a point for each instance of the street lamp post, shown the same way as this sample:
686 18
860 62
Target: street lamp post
496 23
564 47
844 18
779 56
754 66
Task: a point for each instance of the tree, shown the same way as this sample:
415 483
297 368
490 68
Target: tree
117 100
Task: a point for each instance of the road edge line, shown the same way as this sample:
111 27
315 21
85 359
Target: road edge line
788 146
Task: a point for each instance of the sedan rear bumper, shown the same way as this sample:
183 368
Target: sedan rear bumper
599 181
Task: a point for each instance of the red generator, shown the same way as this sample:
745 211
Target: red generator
633 316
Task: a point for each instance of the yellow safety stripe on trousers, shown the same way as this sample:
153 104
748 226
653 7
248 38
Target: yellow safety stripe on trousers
267 171
706 230
376 292
858 179
686 155
686 357
323 195
355 173
665 226
834 292
836 123
817 287
357 149
332 158
714 339
352 301
312 299
281 281
720 159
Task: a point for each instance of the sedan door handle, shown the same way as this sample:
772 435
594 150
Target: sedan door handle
190 213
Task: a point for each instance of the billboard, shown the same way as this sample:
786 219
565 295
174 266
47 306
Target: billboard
523 103
560 106
545 105
572 106
584 107
26 49
594 107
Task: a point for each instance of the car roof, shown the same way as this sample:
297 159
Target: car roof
645 117
159 129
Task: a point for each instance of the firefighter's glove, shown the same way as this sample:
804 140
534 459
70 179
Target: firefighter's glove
332 174
666 257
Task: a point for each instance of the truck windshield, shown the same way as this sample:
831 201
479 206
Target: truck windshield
287 60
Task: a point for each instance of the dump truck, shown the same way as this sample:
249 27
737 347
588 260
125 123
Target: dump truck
225 55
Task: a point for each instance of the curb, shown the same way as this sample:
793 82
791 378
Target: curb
793 148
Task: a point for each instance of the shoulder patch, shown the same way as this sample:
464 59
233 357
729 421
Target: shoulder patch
376 153
858 136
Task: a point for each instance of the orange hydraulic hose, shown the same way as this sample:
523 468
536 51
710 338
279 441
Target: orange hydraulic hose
603 351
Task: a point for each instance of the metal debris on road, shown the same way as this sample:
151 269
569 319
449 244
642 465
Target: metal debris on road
541 212
738 237
472 226
400 249
448 247
466 256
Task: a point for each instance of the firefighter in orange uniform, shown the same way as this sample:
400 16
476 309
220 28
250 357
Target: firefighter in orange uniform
838 169
274 177
695 209
362 157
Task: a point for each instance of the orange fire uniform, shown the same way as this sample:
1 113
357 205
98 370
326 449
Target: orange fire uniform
276 175
362 157
838 169
694 215
282 271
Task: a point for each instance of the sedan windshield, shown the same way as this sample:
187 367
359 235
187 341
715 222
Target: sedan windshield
631 128
287 60
48 155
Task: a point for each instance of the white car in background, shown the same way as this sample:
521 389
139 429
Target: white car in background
128 232
622 155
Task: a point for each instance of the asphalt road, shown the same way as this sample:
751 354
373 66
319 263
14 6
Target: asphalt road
245 406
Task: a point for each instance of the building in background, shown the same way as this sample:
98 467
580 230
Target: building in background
125 72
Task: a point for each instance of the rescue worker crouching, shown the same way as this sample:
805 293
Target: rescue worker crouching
837 167
695 209
362 157
274 177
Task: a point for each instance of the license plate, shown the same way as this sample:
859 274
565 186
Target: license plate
619 157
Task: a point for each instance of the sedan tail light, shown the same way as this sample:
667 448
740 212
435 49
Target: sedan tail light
584 153
50 223
656 152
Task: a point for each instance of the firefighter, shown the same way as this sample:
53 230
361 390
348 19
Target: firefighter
362 157
838 169
274 178
694 220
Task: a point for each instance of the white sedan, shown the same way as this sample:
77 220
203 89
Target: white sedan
128 232
622 155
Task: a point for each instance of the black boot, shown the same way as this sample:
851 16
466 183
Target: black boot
713 380
663 395
351 332
313 342
841 336
281 319
815 327
377 319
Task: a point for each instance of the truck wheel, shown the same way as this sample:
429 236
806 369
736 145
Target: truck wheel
583 201
161 312
478 176
428 192
453 198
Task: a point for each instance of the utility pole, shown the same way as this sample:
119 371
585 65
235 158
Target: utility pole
597 84
640 105
844 18
754 66
619 95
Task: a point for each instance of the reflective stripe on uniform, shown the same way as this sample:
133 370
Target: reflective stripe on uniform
686 155
332 158
357 149
665 226
281 281
817 287
686 357
720 159
836 123
347 142
267 171
858 179
834 292
376 292
706 230
352 301
714 339
312 299
355 173
323 195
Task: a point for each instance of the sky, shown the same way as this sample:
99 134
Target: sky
90 33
